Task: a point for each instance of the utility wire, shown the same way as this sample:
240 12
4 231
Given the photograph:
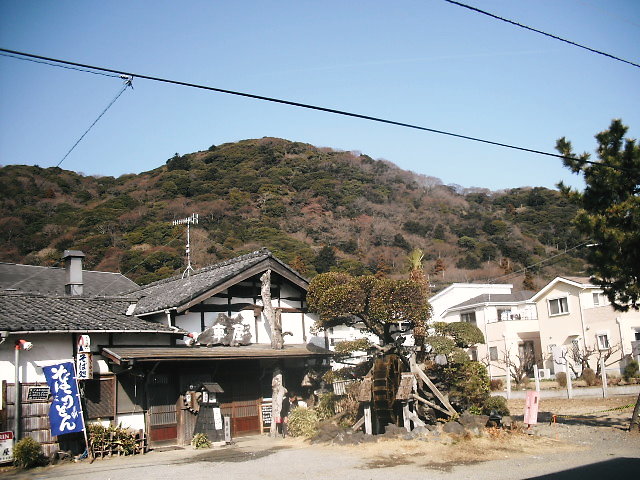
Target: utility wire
127 83
311 107
523 270
497 17
51 64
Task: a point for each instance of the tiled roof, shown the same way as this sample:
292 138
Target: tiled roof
496 298
177 291
51 280
27 312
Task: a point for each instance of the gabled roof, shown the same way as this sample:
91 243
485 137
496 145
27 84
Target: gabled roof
182 293
578 282
28 312
495 299
454 286
51 280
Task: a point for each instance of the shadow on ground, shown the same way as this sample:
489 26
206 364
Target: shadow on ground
585 420
614 468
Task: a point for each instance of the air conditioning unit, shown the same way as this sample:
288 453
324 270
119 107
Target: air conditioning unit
544 373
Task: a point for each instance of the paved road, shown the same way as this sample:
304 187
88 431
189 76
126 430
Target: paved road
268 459
582 392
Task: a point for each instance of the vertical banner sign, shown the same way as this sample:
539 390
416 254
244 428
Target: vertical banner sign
65 414
84 360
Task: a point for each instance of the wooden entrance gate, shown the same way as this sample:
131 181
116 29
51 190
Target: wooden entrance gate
163 394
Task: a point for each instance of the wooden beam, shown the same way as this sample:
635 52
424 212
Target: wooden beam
431 404
423 376
358 424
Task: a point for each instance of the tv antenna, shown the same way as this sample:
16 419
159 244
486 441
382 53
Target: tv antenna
193 219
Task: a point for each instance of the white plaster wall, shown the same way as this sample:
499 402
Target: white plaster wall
47 349
135 421
189 322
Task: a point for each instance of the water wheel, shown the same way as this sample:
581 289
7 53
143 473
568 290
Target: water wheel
386 378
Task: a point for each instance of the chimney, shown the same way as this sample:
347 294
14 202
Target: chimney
73 275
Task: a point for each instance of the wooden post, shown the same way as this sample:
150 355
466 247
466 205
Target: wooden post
604 377
508 381
568 375
406 416
277 396
273 317
368 427
536 375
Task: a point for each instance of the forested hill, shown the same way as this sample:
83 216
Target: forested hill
315 208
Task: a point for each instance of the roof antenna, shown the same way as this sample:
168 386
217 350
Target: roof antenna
193 219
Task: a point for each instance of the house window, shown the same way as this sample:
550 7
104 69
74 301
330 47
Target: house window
558 306
596 299
474 354
603 341
504 315
637 334
493 353
468 317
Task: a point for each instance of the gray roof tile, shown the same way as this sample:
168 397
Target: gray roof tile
177 291
27 312
51 280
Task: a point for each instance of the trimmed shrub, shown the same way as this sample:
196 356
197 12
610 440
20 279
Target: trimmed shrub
631 371
497 404
27 453
496 385
303 422
589 377
561 378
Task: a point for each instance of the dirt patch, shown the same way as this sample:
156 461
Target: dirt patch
447 451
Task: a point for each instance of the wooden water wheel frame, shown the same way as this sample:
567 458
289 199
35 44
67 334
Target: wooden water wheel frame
386 379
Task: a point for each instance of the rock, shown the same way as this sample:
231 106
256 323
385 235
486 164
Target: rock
507 421
421 431
453 427
470 421
394 430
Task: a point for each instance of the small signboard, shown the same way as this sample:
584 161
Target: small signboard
6 447
217 419
267 409
531 408
84 366
38 393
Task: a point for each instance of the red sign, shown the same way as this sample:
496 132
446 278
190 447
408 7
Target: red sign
6 436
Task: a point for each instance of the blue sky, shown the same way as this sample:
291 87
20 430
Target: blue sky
424 62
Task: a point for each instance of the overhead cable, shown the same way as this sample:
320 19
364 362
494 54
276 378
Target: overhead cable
497 17
127 83
308 106
541 262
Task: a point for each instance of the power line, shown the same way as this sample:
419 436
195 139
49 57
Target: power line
497 17
307 106
58 65
546 260
127 83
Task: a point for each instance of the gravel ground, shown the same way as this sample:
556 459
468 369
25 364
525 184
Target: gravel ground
584 443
